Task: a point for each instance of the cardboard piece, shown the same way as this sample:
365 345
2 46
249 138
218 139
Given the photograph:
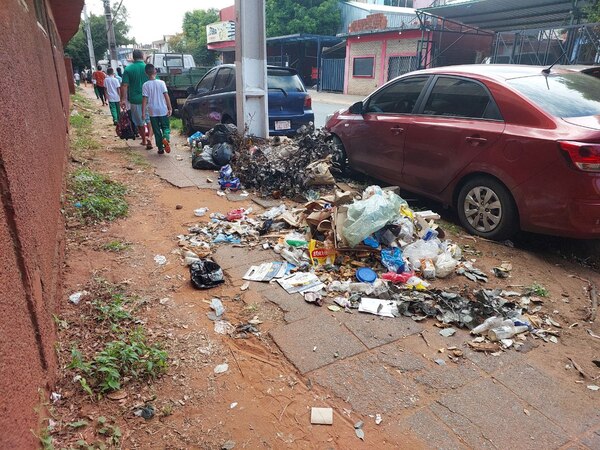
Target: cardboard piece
321 416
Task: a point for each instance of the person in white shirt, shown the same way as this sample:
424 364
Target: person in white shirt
113 92
156 102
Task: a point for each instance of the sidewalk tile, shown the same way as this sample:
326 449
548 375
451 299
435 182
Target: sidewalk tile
374 331
571 406
368 386
486 415
428 430
297 340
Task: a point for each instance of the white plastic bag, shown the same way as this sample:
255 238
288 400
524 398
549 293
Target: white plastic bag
371 214
445 265
421 249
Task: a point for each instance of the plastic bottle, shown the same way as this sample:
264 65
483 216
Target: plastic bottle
506 331
489 323
290 257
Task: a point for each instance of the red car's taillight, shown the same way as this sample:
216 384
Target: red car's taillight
307 102
583 155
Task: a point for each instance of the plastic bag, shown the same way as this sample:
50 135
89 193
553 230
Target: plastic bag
204 160
219 134
421 249
274 212
206 274
222 153
398 277
392 259
445 265
365 217
453 249
195 137
318 173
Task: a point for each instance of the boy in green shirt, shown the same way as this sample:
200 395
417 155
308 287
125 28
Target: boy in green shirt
134 77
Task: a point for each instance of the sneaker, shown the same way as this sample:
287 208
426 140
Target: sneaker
167 146
160 152
149 146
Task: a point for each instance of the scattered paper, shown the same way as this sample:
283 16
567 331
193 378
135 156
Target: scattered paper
160 260
384 308
76 297
447 332
593 387
301 282
266 271
221 368
223 327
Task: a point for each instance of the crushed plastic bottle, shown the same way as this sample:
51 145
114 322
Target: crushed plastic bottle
506 331
489 323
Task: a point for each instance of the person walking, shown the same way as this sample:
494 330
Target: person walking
134 77
77 78
113 94
100 76
156 103
119 75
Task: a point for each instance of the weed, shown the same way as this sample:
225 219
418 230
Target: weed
112 310
45 439
130 356
138 160
81 125
112 432
115 246
537 290
78 424
97 197
176 124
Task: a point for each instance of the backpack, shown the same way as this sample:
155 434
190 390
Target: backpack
125 128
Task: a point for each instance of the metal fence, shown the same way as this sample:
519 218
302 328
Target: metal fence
574 44
332 75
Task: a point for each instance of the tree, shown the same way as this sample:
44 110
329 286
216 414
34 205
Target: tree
193 38
77 47
592 12
302 16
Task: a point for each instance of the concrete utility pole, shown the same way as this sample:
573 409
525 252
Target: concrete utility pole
88 33
110 34
251 67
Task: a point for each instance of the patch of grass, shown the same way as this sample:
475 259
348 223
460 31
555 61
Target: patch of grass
176 124
130 356
96 197
81 126
116 246
537 290
45 439
138 160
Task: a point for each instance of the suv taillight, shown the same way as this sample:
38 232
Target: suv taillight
584 156
307 102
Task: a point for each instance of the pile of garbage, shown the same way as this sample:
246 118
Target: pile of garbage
366 251
286 167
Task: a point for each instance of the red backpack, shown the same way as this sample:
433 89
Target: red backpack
125 128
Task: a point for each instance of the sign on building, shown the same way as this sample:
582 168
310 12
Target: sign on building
220 32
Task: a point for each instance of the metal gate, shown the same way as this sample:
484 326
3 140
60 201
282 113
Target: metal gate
399 65
332 75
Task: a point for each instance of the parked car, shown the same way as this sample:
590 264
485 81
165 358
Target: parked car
212 101
507 146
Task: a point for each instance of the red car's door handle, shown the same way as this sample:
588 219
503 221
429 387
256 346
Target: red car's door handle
396 130
475 140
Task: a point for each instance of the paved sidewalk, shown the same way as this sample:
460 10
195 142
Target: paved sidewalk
384 366
387 366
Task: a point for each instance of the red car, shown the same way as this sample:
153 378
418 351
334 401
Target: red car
508 146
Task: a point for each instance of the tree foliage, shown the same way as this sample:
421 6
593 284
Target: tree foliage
592 12
77 47
302 16
193 38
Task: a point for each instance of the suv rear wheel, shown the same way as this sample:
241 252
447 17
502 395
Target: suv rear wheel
486 208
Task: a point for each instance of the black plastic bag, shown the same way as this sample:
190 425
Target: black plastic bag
219 134
206 274
222 153
204 160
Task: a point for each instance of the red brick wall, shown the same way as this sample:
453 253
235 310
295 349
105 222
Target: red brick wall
371 22
33 151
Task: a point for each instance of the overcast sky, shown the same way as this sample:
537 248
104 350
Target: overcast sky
149 20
